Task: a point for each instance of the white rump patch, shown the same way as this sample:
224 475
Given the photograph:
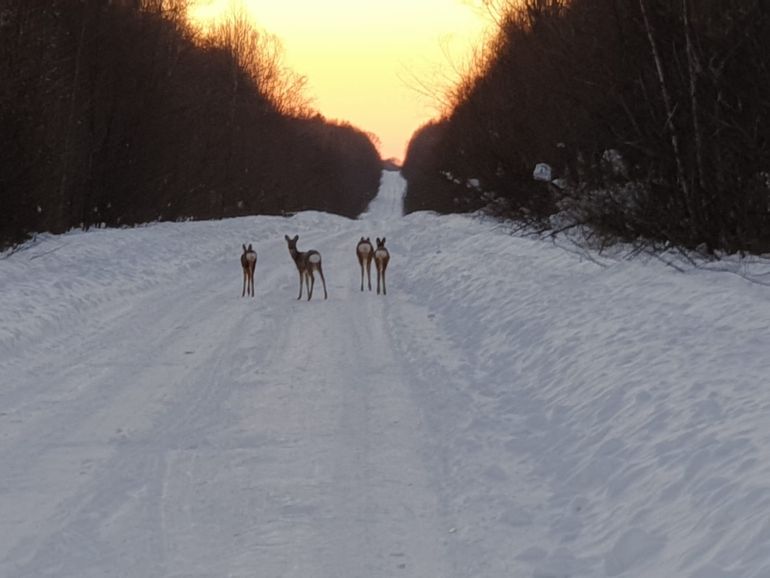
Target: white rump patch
314 258
380 254
364 249
251 257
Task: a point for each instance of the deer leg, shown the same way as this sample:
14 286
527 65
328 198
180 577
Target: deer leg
321 273
361 264
378 279
310 284
243 293
384 290
369 273
300 285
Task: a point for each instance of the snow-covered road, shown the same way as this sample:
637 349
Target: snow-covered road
509 410
183 431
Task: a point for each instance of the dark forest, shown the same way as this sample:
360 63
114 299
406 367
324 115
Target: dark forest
114 113
653 116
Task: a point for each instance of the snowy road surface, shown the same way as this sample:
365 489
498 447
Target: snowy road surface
510 409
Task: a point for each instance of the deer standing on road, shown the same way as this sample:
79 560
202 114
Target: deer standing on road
248 263
381 258
307 262
365 252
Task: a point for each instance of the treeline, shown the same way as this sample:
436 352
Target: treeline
117 112
653 116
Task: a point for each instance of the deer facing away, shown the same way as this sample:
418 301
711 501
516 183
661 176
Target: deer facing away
365 253
248 263
381 259
307 263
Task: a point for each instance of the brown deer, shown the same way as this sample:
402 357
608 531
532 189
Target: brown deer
307 262
248 263
381 258
365 252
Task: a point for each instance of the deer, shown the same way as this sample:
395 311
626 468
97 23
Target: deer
307 262
248 263
381 258
365 252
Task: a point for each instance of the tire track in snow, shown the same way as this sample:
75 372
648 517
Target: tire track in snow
110 422
342 485
195 433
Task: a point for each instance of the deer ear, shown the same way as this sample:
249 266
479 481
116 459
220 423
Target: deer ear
378 240
383 240
250 249
244 248
296 237
286 237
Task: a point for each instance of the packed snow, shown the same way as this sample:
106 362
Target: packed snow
513 408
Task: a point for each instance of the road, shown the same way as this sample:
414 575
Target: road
183 431
516 407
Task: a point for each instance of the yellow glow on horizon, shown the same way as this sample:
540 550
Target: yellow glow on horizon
364 60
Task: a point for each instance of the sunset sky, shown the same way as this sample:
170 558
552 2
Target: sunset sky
364 60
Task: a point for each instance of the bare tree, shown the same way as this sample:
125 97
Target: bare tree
260 56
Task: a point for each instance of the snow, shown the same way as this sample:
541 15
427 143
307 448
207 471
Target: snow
509 409
542 172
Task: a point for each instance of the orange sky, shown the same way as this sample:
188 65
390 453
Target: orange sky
362 58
